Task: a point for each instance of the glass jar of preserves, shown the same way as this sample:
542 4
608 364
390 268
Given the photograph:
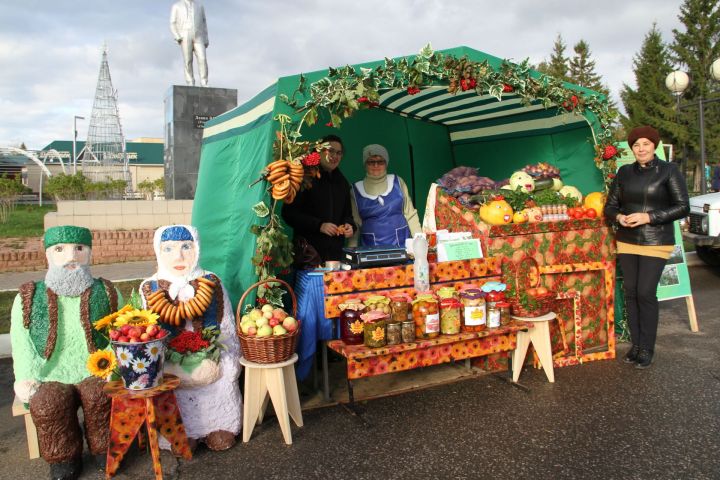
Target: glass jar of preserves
450 316
351 325
426 316
393 333
377 303
400 308
493 315
504 313
374 334
473 313
408 331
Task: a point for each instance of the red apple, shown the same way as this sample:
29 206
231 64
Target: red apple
279 314
541 291
114 334
134 332
532 292
290 324
123 339
125 329
161 333
144 337
273 322
151 330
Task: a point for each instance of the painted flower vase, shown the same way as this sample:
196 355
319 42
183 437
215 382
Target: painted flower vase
140 363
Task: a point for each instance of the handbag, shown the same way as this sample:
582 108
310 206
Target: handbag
306 257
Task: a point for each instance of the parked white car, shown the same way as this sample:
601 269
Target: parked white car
704 227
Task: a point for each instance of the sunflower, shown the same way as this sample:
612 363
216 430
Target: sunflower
137 318
101 363
107 320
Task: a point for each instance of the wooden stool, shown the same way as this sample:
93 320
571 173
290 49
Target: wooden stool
276 380
18 408
539 336
157 409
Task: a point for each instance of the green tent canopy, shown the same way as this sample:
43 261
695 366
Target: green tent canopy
426 135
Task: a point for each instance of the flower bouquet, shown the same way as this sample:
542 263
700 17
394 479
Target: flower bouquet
194 357
138 348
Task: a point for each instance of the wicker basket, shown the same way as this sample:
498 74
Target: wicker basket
272 349
527 275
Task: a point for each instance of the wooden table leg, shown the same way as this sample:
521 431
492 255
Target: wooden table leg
126 418
541 341
153 438
518 355
276 388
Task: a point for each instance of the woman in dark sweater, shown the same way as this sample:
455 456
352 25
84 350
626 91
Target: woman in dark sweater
645 198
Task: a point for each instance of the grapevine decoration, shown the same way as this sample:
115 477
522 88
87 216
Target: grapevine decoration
346 90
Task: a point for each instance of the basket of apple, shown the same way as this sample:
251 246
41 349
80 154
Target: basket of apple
531 299
268 334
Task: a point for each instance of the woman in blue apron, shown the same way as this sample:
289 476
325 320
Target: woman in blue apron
381 205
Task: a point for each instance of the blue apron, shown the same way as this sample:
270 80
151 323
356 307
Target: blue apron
383 222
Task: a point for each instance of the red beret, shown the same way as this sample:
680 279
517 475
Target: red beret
645 131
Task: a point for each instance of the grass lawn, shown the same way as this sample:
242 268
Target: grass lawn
7 298
26 221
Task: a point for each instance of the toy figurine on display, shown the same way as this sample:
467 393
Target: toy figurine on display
194 306
52 337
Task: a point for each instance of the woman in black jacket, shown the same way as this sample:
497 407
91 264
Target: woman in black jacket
645 199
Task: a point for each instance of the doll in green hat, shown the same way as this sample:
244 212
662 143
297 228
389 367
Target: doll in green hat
52 337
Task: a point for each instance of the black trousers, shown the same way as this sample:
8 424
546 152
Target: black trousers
641 275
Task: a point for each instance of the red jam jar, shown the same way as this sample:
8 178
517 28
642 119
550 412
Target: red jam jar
351 325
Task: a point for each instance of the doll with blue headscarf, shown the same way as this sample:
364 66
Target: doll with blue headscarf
189 298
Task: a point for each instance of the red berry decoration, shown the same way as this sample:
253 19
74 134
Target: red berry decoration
507 88
413 90
609 152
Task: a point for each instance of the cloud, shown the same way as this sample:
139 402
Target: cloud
50 51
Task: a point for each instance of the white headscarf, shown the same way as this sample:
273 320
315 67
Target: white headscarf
179 285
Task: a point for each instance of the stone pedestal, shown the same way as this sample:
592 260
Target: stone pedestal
186 111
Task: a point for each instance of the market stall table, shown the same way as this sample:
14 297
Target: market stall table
154 407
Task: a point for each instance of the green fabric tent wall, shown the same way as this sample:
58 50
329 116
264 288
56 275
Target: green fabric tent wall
426 135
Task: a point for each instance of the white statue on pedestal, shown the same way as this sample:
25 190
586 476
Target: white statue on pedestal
189 27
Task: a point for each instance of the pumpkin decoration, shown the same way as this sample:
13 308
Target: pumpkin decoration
520 217
523 181
568 191
596 201
496 212
534 214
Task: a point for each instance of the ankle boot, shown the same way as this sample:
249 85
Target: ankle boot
632 354
66 470
644 358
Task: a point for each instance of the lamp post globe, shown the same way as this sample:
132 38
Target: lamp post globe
715 69
678 81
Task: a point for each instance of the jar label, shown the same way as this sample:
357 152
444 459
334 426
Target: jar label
475 316
356 327
493 319
432 323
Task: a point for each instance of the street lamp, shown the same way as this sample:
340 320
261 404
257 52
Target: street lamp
677 82
74 159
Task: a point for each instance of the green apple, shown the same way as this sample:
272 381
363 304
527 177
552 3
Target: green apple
267 308
261 321
279 330
255 314
265 331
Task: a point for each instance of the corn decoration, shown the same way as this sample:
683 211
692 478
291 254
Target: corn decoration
285 178
174 312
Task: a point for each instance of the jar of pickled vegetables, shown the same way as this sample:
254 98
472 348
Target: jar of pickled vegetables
351 325
393 333
374 329
493 315
505 317
378 303
473 312
450 316
400 308
426 316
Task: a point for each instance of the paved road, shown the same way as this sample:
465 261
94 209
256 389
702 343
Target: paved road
601 420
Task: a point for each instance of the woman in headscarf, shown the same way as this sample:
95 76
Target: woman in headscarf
212 411
381 205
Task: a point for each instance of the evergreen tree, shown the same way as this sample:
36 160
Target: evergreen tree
558 65
582 69
694 50
650 103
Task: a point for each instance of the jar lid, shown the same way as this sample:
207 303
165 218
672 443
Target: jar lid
450 303
373 299
400 297
446 292
374 316
503 305
425 297
493 286
472 294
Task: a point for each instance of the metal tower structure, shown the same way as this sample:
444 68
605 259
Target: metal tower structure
104 155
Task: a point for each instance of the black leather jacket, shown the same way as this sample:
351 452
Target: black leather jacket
658 190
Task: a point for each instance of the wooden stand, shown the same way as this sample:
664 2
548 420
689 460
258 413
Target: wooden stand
275 381
157 409
539 336
18 408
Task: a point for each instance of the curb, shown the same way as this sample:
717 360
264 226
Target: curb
5 348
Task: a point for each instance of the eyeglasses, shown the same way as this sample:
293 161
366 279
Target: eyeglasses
375 163
332 151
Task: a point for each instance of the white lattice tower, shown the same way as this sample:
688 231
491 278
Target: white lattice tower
104 154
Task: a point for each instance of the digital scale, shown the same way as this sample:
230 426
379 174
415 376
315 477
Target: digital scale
375 256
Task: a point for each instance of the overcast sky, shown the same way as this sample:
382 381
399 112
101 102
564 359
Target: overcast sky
50 51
